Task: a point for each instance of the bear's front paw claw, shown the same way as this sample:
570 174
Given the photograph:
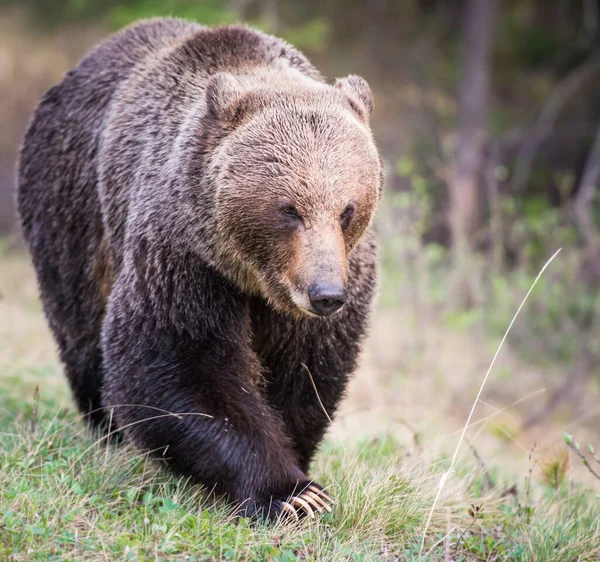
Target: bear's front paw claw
321 494
318 501
300 501
311 499
289 509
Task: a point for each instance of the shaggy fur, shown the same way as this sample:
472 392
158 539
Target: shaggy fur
182 191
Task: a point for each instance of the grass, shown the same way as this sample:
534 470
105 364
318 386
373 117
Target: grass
67 495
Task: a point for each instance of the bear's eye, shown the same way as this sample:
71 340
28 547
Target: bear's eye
347 214
290 211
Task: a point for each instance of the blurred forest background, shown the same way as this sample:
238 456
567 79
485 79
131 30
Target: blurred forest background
488 117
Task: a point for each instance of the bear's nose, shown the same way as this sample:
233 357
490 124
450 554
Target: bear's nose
326 299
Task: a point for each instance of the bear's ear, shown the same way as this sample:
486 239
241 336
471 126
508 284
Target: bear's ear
358 93
226 100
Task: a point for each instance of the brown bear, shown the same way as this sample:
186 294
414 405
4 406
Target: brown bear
198 204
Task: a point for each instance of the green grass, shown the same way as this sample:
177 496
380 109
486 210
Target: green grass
68 495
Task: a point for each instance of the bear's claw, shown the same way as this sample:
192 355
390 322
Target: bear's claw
318 500
288 508
320 493
307 502
299 501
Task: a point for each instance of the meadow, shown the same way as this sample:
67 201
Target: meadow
66 494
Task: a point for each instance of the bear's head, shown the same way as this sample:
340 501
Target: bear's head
298 178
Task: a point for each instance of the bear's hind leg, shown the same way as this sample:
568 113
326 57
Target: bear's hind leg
83 368
73 292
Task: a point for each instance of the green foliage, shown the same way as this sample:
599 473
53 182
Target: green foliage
533 46
563 310
48 13
206 12
311 35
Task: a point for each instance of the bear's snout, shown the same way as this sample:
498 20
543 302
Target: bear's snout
326 298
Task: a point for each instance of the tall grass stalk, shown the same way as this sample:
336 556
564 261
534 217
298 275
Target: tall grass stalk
462 435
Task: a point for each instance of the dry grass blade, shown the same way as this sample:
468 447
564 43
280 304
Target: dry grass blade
464 431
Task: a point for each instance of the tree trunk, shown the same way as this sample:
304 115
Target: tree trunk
464 186
464 210
582 205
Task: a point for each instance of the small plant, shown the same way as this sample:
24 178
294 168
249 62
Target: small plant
574 446
553 466
475 512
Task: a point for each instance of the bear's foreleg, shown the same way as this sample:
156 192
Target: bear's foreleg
308 364
181 380
308 361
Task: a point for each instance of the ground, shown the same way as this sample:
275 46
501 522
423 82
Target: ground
68 495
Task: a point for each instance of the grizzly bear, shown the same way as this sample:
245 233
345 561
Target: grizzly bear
198 203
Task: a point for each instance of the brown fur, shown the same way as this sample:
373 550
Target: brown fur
182 191
102 270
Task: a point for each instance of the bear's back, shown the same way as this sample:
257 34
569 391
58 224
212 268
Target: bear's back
57 168
57 193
